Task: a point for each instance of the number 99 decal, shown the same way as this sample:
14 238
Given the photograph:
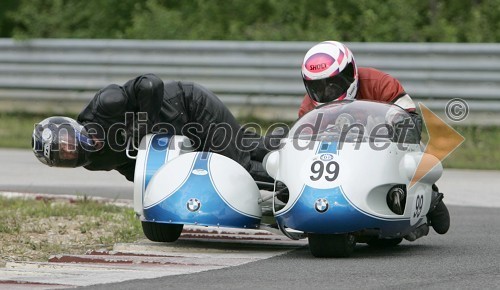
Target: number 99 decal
327 170
418 206
322 171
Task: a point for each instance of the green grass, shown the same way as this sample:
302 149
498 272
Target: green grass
35 229
479 151
16 128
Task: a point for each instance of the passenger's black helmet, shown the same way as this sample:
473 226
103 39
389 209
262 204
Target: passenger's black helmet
61 142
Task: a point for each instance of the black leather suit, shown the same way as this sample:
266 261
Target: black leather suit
182 107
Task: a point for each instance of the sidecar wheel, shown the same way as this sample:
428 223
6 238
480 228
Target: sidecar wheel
331 245
384 243
158 232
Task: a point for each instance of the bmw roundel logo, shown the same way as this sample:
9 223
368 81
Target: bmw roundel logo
321 205
193 204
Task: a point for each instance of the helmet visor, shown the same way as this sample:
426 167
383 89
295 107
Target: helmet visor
68 150
73 145
331 88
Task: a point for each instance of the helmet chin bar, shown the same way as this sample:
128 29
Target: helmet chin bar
352 91
349 95
331 89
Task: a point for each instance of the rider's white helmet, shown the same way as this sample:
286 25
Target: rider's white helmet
330 73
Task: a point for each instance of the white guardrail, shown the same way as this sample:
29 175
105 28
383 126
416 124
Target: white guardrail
248 74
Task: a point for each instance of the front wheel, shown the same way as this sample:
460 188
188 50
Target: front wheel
331 245
158 232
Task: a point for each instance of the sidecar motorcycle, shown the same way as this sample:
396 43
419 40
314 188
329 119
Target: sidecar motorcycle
346 173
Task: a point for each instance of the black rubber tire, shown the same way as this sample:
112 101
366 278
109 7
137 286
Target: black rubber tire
158 232
331 245
384 243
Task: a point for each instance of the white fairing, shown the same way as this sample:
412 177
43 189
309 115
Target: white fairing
168 179
364 174
173 147
229 179
235 185
410 166
271 163
313 158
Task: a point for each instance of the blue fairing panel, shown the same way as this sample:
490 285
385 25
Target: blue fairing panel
157 154
328 147
340 217
199 191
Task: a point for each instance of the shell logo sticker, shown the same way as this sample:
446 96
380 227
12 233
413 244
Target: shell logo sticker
319 62
199 171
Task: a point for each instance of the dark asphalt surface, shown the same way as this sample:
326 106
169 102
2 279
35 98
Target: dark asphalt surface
467 257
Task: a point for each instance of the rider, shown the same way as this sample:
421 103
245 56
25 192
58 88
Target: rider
330 73
97 141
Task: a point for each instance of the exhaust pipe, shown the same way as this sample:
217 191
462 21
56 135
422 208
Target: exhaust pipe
396 199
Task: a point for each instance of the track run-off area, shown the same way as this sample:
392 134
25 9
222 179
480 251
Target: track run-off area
466 257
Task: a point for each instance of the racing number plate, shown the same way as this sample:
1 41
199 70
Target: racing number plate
322 171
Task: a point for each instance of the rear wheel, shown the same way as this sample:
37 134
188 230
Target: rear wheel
331 245
384 243
158 232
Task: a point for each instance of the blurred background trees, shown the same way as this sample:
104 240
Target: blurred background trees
298 20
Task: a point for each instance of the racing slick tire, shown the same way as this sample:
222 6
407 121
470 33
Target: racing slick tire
158 232
331 245
384 243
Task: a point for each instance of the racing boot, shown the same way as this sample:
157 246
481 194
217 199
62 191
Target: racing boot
419 232
438 216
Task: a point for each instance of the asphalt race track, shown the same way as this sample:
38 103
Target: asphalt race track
467 257
20 171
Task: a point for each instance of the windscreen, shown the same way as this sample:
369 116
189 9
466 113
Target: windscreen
356 121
